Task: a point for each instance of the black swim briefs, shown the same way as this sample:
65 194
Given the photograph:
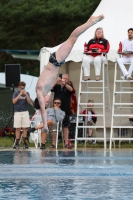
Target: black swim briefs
53 60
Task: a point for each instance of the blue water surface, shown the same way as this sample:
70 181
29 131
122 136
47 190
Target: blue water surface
63 175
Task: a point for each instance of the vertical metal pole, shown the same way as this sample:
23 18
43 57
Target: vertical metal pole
108 87
104 106
114 93
79 94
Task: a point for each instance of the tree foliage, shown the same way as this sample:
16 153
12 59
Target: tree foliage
32 24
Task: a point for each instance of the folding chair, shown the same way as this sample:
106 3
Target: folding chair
59 130
36 135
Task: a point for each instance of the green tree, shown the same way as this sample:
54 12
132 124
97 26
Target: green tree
32 24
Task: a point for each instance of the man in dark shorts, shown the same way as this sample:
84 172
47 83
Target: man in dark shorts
62 89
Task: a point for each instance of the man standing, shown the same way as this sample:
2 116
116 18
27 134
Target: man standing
127 56
62 89
21 99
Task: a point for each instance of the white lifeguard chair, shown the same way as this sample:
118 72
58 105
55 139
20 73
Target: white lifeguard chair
97 91
118 106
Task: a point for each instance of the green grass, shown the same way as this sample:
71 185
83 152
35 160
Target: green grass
6 142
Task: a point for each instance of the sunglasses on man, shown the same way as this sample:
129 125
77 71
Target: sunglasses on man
58 103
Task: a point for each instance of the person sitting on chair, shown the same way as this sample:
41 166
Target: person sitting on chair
127 56
95 46
54 115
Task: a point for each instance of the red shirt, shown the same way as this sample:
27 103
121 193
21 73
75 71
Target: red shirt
100 43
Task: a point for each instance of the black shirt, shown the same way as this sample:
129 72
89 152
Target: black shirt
65 95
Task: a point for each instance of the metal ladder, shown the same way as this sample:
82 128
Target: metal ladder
120 106
100 105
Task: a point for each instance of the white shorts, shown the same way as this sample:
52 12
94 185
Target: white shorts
21 119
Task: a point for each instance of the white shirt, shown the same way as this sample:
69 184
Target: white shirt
127 45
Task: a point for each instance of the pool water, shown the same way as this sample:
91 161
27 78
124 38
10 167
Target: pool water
63 175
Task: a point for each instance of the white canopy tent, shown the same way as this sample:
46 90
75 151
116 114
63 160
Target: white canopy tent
118 19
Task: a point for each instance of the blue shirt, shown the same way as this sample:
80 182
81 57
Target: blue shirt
21 105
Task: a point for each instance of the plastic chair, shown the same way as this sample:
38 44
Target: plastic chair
59 130
36 135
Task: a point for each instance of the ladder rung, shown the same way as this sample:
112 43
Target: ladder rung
123 103
121 107
123 115
86 92
131 92
122 126
84 138
95 87
92 81
127 81
93 103
90 126
121 138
